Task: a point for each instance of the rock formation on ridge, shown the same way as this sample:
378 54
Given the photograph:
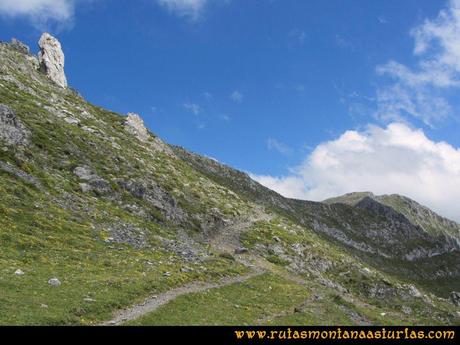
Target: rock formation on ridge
135 125
51 59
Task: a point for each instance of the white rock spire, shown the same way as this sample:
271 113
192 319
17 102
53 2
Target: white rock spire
51 59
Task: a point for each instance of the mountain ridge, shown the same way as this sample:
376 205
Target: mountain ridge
415 212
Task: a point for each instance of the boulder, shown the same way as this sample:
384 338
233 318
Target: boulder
406 310
54 282
19 272
455 298
84 173
93 181
413 291
51 59
241 250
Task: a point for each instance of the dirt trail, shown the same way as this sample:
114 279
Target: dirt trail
227 240
152 303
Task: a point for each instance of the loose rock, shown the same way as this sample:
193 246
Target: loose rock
93 181
406 310
54 282
413 291
241 250
455 298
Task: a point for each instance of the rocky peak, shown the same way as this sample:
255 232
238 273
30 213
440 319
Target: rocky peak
350 198
51 59
135 125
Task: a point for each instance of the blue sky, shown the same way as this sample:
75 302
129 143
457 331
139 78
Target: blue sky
313 98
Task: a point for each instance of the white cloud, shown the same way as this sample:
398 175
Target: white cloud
185 8
396 159
400 101
236 96
193 108
277 145
39 12
419 93
288 186
442 33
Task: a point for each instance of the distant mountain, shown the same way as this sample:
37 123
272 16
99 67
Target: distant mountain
417 214
370 229
98 214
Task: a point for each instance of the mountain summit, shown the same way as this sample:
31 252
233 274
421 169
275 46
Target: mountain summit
422 216
102 222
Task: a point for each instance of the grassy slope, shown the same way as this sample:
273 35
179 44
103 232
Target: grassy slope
280 298
349 199
236 304
271 299
57 231
267 299
335 215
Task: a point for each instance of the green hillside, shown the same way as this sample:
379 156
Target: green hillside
97 214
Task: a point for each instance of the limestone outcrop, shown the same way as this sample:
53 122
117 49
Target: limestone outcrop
135 125
12 130
51 59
